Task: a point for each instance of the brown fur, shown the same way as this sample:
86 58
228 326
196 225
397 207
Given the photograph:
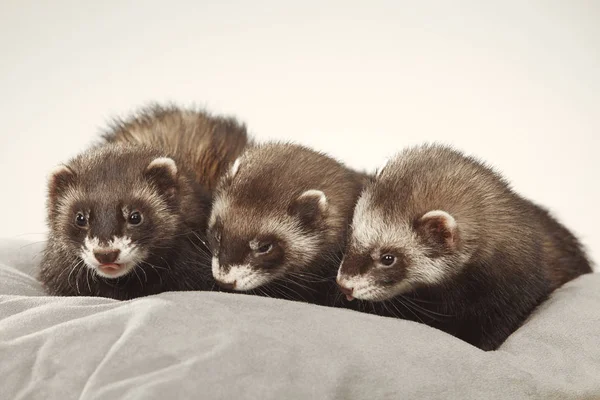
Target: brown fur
268 187
207 144
100 182
509 254
107 177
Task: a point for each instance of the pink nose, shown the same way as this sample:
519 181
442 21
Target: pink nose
106 256
347 292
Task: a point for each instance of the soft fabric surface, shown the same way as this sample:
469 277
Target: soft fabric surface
225 346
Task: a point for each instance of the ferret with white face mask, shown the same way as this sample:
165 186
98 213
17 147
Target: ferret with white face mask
440 238
122 221
279 221
128 217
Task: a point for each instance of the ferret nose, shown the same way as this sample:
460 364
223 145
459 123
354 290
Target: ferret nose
347 292
107 256
227 286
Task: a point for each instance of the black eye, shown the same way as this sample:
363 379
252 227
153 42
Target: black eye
265 248
80 219
214 238
135 218
387 259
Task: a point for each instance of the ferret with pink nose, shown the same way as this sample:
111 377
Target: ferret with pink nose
128 216
122 221
440 238
279 221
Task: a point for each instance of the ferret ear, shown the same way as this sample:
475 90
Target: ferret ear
58 181
310 206
227 178
438 229
162 171
235 167
379 170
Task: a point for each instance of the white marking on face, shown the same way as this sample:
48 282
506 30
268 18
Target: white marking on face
429 271
365 288
87 251
360 284
364 229
301 247
66 199
220 208
129 255
372 233
164 162
157 202
370 230
244 276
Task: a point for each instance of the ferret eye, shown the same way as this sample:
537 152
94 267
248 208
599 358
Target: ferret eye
214 239
387 260
81 220
264 249
135 218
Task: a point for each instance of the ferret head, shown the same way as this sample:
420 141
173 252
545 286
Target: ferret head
256 236
112 206
394 250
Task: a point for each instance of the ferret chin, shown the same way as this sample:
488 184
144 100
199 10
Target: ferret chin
125 221
440 238
279 220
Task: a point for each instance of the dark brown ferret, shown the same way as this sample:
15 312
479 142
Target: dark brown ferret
279 220
440 238
128 218
125 221
208 144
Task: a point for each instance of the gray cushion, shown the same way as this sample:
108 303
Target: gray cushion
228 346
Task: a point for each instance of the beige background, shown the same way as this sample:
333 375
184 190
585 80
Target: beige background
516 83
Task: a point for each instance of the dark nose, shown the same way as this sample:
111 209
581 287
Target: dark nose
106 256
227 286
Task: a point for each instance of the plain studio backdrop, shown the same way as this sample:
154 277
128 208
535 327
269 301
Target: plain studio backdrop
515 83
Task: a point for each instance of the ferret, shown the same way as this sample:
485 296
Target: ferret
128 217
124 222
438 237
207 143
279 220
